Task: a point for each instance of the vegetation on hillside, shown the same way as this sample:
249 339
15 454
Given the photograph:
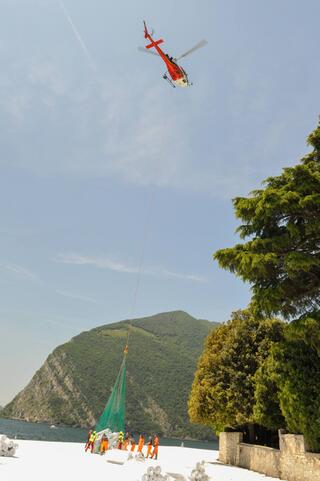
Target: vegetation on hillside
163 353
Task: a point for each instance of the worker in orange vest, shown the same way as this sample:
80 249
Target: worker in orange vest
149 444
104 445
126 442
133 443
155 447
141 443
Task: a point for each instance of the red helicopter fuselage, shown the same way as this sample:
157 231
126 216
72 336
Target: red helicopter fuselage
177 74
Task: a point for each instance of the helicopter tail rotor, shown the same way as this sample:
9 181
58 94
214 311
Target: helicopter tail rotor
143 49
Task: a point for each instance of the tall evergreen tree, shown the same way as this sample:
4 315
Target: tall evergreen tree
281 259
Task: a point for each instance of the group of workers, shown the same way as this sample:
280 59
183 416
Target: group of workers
126 443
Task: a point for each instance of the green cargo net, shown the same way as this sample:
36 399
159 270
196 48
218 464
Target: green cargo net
114 412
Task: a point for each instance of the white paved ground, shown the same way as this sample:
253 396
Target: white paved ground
48 461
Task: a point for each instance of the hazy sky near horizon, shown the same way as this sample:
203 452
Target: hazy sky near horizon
100 156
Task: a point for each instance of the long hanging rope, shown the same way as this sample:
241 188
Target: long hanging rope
113 415
140 266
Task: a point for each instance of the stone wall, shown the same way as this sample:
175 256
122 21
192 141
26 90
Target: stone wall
291 462
228 448
296 463
261 459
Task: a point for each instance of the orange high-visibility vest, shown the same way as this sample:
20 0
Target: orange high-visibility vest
149 448
141 443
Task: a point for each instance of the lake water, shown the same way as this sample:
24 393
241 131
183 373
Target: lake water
43 432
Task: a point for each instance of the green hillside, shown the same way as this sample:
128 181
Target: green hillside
74 383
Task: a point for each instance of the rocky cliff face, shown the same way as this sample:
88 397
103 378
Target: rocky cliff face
52 395
73 385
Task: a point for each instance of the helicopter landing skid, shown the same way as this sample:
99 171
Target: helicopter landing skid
165 76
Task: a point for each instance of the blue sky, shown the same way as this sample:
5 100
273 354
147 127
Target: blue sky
99 153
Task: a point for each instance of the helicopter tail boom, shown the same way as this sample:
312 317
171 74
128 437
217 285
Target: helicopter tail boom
146 33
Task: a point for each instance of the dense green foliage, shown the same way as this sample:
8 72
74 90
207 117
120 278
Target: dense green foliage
266 409
281 259
224 385
294 366
162 358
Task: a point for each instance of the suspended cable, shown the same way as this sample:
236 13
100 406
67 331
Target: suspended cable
146 234
113 416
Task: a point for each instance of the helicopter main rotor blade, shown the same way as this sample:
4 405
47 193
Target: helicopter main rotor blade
200 44
144 50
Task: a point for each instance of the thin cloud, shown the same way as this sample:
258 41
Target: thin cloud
77 297
19 272
99 262
188 277
112 265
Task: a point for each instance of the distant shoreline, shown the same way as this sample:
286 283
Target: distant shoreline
21 429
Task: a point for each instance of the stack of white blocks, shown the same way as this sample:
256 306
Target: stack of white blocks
7 447
154 474
136 457
199 473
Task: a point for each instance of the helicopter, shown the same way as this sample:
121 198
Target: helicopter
175 74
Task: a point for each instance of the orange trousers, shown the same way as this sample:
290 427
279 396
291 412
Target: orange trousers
133 445
155 452
89 445
104 446
125 444
149 450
